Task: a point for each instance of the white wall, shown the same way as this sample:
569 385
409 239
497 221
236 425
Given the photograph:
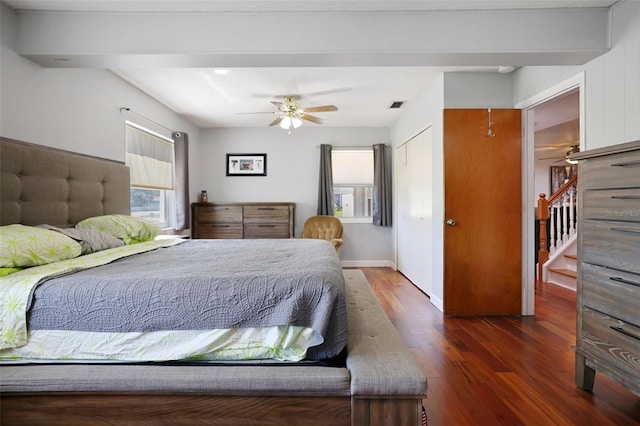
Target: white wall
75 109
542 181
478 90
451 90
612 104
293 163
612 87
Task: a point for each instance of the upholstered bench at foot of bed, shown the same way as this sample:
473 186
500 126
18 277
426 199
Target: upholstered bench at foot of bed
381 384
382 368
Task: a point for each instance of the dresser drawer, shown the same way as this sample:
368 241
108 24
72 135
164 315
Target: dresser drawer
612 204
266 213
612 291
219 213
612 171
266 230
219 230
611 340
612 244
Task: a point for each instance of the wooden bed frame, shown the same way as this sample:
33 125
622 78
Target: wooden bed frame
379 384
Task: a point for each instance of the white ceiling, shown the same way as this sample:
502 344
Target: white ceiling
362 94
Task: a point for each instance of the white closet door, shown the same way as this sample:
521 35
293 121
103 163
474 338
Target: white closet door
413 166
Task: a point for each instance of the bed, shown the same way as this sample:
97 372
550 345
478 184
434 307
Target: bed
345 365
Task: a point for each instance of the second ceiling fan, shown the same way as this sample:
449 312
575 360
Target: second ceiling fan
290 113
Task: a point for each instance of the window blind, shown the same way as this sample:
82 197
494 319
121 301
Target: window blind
352 167
150 159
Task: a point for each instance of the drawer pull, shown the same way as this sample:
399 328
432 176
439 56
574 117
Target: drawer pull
625 197
266 208
219 226
625 332
626 230
266 226
627 163
624 281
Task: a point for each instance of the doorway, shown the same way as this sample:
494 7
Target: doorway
531 108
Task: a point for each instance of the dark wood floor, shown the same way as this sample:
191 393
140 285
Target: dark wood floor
501 370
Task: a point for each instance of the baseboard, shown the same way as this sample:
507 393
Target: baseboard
438 303
368 264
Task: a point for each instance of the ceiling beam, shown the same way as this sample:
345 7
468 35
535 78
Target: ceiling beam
449 38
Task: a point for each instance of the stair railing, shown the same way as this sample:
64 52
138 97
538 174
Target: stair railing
560 209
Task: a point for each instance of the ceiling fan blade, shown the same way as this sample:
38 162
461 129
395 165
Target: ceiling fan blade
277 104
330 91
324 108
261 112
276 122
311 118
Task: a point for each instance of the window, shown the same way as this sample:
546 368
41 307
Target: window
352 184
150 157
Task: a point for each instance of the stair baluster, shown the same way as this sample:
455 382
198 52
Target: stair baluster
560 210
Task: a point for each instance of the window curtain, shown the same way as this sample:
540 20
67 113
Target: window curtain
325 187
150 159
181 145
381 185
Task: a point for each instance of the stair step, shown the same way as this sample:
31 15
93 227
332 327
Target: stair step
572 256
566 272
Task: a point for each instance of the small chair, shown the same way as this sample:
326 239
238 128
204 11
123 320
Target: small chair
325 228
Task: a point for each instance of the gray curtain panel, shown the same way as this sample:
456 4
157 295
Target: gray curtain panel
181 183
381 185
325 186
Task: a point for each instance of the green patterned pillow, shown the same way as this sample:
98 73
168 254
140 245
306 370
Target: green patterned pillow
22 245
126 228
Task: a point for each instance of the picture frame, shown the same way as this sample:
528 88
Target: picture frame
559 174
246 164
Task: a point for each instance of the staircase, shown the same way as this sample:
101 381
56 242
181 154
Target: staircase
557 247
562 269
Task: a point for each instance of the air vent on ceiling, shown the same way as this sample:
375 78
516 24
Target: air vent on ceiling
396 104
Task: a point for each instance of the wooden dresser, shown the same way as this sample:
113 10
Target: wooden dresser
242 220
608 292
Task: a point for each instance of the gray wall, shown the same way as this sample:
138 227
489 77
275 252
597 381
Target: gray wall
292 175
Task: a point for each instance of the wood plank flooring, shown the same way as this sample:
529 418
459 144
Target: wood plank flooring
501 370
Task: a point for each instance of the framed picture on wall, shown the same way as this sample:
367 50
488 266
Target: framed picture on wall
560 174
246 164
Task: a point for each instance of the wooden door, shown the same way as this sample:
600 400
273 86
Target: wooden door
483 197
413 168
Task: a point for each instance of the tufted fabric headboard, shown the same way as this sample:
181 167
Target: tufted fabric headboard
42 185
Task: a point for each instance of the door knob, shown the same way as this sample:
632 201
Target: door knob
451 222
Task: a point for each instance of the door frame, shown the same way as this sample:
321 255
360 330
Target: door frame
529 197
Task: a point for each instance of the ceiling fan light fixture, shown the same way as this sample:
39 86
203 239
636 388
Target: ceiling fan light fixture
286 122
296 122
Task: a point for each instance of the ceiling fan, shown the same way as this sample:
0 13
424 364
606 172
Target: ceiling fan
290 113
572 150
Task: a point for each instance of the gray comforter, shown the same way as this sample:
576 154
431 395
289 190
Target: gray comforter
204 284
